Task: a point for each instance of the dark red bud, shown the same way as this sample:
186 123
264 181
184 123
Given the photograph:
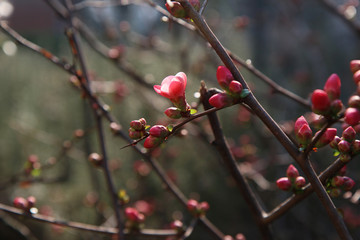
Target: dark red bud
284 184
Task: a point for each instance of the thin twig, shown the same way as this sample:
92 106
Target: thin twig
150 233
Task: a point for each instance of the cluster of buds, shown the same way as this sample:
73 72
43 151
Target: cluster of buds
346 146
137 128
233 90
175 8
304 134
157 135
352 113
293 181
326 101
24 203
32 166
173 88
336 184
197 209
135 219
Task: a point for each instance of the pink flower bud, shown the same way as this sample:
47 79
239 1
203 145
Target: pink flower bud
177 225
158 131
137 125
356 147
220 100
192 205
337 181
349 134
320 102
133 134
299 123
235 87
31 200
292 172
354 101
332 86
131 214
176 10
354 65
151 142
284 184
21 203
224 77
173 112
326 138
336 106
356 77
203 207
299 182
344 157
348 183
334 142
304 135
352 116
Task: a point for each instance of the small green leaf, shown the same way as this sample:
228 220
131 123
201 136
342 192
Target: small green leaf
193 111
244 93
170 127
336 153
35 172
147 127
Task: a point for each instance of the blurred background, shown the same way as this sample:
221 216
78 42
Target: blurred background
47 130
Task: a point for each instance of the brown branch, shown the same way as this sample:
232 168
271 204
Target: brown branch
223 149
150 233
282 208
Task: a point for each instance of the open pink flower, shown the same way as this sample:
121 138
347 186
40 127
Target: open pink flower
173 88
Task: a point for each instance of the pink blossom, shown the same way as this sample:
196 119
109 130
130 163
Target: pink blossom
332 86
172 87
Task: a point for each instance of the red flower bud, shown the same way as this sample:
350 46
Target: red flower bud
133 134
137 125
336 106
96 159
352 116
356 77
337 181
334 142
177 225
304 135
151 142
299 182
320 102
349 134
176 10
342 171
354 65
292 172
220 100
235 87
354 101
344 157
284 184
31 200
332 86
159 131
131 214
203 207
173 112
326 138
356 147
299 123
348 183
192 205
21 203
224 77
